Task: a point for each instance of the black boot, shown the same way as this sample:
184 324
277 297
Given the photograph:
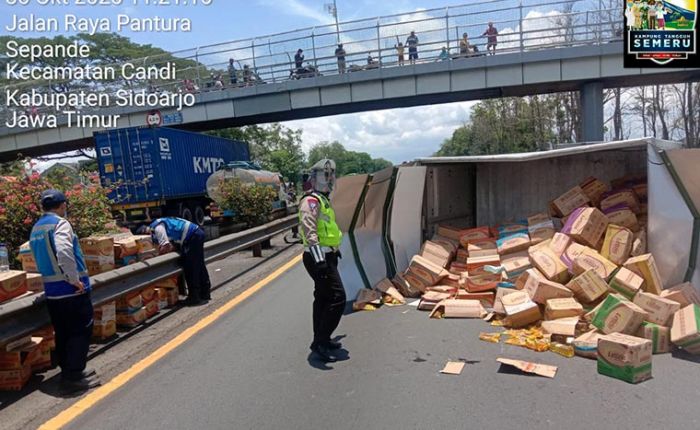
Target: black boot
69 386
324 352
334 345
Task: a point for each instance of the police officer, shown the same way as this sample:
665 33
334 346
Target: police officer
321 238
189 238
67 289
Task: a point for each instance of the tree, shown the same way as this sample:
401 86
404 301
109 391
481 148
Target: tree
275 147
347 162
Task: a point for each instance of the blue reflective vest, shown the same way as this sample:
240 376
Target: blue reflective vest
42 243
177 229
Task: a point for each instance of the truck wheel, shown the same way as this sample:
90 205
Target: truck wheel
199 215
185 213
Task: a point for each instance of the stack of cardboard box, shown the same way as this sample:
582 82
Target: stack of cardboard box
150 300
581 272
130 310
169 290
126 249
16 361
105 321
99 254
13 283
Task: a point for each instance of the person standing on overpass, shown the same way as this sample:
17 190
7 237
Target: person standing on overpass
412 43
67 290
321 237
491 34
189 238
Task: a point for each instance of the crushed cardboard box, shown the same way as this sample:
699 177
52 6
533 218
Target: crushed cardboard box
454 308
528 367
660 310
588 287
685 329
684 294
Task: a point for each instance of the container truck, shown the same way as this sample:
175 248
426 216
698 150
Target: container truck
153 172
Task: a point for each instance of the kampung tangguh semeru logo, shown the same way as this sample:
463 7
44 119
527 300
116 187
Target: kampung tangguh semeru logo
660 31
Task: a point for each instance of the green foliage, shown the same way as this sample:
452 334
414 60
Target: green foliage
275 147
347 162
510 125
251 204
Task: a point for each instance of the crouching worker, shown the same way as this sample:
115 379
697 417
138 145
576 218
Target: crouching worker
67 290
169 233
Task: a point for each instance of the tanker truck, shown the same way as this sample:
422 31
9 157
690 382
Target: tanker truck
250 174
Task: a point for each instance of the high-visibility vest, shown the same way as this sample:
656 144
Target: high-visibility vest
43 245
177 229
329 233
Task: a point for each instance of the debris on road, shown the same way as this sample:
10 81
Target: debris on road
453 368
528 367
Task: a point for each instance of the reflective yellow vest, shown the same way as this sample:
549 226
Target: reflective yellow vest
329 233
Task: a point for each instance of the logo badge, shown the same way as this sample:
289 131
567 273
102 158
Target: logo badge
661 33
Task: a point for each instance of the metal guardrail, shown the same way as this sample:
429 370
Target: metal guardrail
523 25
24 316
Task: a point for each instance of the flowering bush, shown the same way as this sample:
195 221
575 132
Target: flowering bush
20 208
251 204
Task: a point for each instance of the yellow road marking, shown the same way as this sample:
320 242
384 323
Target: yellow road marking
90 400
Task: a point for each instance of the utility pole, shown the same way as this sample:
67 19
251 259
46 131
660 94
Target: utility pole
332 9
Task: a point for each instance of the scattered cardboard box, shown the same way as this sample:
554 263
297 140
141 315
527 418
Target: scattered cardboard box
454 308
626 283
540 228
562 326
385 286
426 270
436 253
586 345
523 314
486 298
562 308
645 266
482 248
367 297
618 314
572 251
685 329
487 282
621 198
405 288
515 264
528 276
588 287
513 243
131 319
594 189
474 234
549 264
12 284
453 368
528 367
659 336
125 247
685 294
660 310
586 226
624 357
591 259
623 216
559 243
542 290
475 265
617 244
498 302
570 200
98 246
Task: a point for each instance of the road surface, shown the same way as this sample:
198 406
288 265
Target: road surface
251 370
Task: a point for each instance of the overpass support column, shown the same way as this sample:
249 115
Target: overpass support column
592 105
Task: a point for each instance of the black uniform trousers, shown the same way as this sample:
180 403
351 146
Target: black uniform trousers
196 274
72 322
329 296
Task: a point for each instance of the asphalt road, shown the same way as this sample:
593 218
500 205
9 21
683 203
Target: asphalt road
251 370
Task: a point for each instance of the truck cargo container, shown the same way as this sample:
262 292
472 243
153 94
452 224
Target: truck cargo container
154 172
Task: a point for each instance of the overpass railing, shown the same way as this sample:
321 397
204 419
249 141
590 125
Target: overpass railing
523 25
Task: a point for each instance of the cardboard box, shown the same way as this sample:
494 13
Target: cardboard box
523 314
515 264
485 297
131 319
457 269
515 298
541 290
645 266
146 255
431 298
594 189
171 282
449 231
15 379
162 297
591 259
105 313
462 255
570 254
436 253
482 247
473 235
559 243
480 283
562 308
685 329
453 308
528 276
639 245
570 200
498 302
618 314
588 286
540 228
125 247
617 244
98 246
508 229
385 286
426 270
148 294
621 198
152 308
586 345
99 264
17 356
144 243
659 336
626 283
105 330
12 284
172 296
414 284
549 264
660 310
26 257
684 294
513 243
475 265
35 283
561 326
130 302
624 357
622 216
42 361
586 226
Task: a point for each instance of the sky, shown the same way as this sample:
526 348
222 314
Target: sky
397 135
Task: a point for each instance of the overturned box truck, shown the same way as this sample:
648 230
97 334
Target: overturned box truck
391 212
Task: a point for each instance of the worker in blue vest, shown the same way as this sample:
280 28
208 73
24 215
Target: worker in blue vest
189 239
67 290
321 237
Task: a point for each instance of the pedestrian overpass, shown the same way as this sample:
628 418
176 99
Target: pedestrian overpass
543 47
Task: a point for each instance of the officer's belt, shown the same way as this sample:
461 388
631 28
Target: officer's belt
325 249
